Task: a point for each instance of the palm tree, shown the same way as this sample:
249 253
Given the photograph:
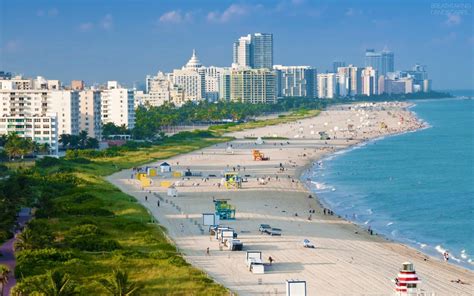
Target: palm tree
82 139
56 284
25 240
4 271
44 148
65 140
120 285
17 146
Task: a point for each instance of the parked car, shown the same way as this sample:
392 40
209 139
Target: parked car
264 227
274 231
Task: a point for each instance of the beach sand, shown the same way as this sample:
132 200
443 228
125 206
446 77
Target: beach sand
346 260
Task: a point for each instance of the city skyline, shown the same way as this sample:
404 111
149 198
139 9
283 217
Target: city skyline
127 47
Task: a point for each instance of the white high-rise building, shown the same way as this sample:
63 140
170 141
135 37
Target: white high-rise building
254 51
296 81
341 87
191 78
353 79
242 52
26 111
65 104
369 81
117 105
253 86
327 86
213 77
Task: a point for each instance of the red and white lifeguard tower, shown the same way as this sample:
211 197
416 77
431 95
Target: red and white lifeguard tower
406 282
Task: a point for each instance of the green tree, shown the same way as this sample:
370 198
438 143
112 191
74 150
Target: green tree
82 139
120 285
36 235
4 272
92 143
56 284
112 129
17 146
65 140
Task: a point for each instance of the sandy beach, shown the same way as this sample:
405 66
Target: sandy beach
347 260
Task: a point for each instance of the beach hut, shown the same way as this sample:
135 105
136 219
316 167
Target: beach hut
406 282
295 288
165 167
151 172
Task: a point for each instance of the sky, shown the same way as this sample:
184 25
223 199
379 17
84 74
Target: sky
124 40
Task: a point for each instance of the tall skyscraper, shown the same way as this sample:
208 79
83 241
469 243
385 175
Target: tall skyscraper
296 81
254 51
327 86
369 81
352 76
383 61
253 86
336 65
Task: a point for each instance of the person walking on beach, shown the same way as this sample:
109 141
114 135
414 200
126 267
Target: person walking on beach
158 203
207 251
270 259
146 197
446 256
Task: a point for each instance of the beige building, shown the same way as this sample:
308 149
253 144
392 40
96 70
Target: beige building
352 75
253 86
327 84
77 85
369 81
65 103
90 113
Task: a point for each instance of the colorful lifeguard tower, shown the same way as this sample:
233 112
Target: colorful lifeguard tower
232 180
406 282
224 210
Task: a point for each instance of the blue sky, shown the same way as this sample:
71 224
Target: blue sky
99 40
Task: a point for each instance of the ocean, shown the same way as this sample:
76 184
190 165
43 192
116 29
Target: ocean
416 188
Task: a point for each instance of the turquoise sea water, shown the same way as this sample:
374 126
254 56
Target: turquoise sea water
416 188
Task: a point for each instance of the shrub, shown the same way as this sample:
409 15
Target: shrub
47 162
89 237
33 262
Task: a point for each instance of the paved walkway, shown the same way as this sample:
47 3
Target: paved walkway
8 254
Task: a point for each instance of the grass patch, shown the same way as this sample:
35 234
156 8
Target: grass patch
235 127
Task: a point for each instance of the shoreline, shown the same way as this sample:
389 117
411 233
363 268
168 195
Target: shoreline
434 253
292 197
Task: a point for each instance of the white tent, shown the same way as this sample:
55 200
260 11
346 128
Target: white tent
259 141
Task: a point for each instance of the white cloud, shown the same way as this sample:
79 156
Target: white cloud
453 19
232 12
176 17
84 27
107 22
